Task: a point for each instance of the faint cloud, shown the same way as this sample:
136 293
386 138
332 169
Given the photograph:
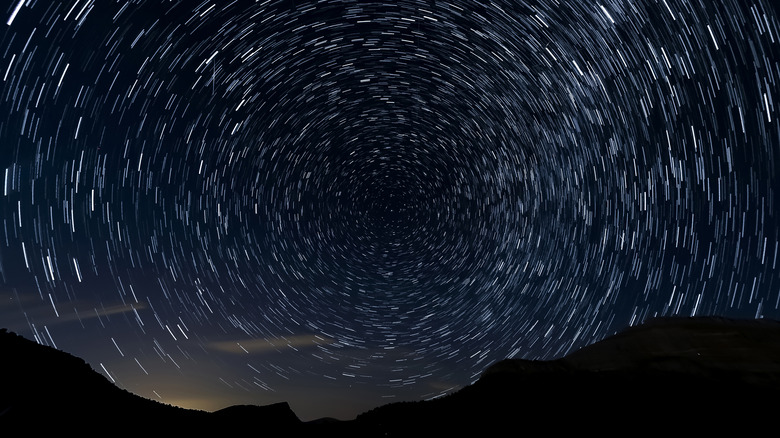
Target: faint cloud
86 313
266 345
19 310
120 308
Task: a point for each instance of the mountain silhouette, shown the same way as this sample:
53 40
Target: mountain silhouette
44 390
669 376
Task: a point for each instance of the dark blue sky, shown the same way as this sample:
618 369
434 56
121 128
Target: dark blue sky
342 204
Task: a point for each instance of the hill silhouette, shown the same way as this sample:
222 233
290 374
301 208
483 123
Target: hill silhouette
44 390
669 376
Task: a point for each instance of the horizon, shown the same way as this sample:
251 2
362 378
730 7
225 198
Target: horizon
342 204
211 403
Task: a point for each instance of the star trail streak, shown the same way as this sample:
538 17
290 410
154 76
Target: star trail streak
341 204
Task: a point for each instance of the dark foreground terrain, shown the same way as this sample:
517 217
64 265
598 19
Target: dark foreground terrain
668 377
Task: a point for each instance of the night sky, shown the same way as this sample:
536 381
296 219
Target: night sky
343 204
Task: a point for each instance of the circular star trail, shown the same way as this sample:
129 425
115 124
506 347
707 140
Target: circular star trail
289 197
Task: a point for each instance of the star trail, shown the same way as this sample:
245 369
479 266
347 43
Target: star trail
342 204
